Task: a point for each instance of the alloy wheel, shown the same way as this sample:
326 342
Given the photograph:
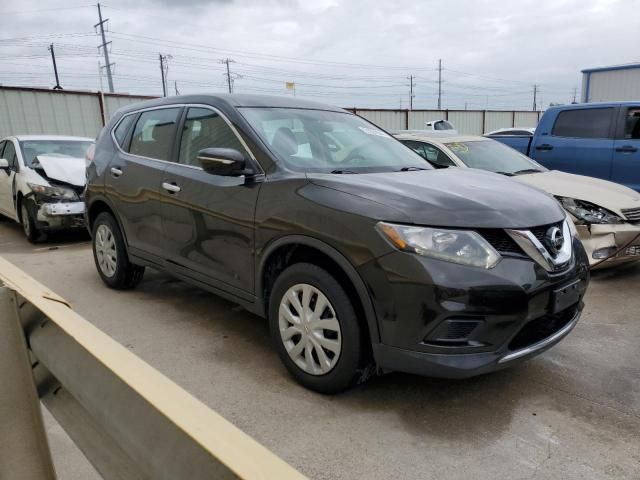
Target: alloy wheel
309 329
105 246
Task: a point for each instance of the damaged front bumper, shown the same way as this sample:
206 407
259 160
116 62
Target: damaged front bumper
60 215
604 240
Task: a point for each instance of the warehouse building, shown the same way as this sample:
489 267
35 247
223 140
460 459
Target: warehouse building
611 84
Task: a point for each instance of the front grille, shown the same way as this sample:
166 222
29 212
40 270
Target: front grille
453 332
541 232
541 328
501 241
632 251
632 214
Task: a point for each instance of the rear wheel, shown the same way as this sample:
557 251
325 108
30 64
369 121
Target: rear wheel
28 215
110 255
315 329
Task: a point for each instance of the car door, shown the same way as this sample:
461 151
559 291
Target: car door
134 180
626 148
580 141
8 179
208 219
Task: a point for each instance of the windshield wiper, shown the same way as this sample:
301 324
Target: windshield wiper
505 173
342 171
411 169
527 170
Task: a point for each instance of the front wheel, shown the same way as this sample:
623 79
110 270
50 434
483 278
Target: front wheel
31 230
110 255
315 329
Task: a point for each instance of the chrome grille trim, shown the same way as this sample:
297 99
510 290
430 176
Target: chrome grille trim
632 214
539 253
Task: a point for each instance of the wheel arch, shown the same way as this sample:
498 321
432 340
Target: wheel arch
98 206
297 248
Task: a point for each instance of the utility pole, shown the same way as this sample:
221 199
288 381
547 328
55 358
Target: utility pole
411 95
231 77
440 84
163 64
535 97
55 68
105 49
575 94
175 86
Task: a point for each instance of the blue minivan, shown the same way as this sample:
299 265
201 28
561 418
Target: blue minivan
594 139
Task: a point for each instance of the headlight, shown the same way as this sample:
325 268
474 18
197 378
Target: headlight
588 212
53 193
458 246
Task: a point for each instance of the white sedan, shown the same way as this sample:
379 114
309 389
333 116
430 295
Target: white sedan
606 214
42 180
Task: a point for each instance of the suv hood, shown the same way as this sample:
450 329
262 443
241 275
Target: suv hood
63 169
612 196
451 197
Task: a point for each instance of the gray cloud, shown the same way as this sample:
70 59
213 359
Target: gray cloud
493 52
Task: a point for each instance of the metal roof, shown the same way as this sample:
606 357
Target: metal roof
612 68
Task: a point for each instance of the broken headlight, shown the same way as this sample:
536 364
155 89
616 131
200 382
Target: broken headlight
587 212
46 192
457 246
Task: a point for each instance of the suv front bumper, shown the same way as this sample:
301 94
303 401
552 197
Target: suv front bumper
446 320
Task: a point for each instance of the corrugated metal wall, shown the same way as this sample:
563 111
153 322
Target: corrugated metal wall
25 111
41 111
612 85
467 122
48 112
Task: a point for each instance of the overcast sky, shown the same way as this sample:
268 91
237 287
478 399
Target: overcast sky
346 52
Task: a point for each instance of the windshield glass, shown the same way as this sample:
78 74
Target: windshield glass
57 148
321 141
494 157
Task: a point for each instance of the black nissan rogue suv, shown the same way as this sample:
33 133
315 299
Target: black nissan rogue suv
362 257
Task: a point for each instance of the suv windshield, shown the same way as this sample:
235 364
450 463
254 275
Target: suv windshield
57 148
323 141
494 157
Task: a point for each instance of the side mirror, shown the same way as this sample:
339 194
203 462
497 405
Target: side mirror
226 162
4 164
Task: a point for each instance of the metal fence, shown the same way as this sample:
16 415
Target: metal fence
129 420
467 122
64 112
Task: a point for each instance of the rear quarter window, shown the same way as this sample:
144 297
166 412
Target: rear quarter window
154 133
584 123
120 132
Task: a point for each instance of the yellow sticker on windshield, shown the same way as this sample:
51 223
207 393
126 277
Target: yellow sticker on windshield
458 147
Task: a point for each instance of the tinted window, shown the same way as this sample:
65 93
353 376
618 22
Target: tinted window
121 130
154 132
632 124
583 123
9 154
442 125
432 154
204 128
2 144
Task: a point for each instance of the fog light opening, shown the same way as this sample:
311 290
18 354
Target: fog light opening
601 253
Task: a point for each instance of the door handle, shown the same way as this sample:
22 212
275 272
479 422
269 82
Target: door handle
544 146
116 172
170 187
626 149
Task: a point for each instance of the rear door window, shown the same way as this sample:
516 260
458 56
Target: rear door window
584 123
632 124
154 133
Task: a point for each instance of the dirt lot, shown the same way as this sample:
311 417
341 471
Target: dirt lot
572 413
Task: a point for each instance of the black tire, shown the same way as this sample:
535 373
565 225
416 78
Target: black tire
125 275
28 215
350 366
